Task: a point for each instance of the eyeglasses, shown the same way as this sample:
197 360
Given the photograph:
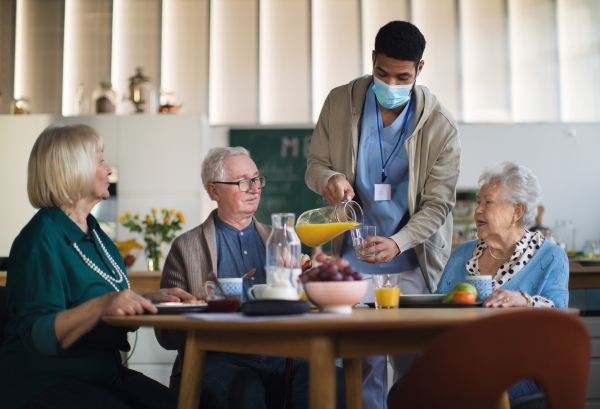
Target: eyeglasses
246 184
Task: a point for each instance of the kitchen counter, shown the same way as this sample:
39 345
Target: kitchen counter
141 281
583 277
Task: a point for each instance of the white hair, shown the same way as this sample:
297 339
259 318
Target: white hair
520 186
212 165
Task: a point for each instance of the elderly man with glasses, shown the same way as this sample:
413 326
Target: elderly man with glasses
231 242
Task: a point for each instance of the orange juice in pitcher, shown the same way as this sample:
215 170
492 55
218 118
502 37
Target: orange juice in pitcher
317 227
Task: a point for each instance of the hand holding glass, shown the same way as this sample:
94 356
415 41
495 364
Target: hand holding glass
359 234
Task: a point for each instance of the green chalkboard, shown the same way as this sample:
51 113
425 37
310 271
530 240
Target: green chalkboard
280 155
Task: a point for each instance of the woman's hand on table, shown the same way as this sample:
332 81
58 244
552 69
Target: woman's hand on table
387 248
174 294
125 303
337 190
504 298
70 325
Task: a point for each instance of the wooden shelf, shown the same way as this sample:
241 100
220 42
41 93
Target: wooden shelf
141 281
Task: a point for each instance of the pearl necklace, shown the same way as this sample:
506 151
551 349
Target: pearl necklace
497 258
108 278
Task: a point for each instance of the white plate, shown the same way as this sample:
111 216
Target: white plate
179 305
421 298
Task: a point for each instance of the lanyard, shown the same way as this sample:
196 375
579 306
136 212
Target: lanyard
384 164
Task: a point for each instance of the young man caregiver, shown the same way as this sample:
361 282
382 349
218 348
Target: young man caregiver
390 145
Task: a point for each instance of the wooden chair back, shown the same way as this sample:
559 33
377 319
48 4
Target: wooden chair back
473 365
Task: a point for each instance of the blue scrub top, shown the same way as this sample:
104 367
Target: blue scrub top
388 215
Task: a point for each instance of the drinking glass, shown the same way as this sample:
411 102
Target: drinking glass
359 234
387 290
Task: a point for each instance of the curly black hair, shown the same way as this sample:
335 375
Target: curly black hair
400 40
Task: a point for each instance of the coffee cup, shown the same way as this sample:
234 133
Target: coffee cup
483 284
282 293
232 286
257 291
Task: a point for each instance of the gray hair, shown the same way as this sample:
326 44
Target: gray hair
212 165
521 186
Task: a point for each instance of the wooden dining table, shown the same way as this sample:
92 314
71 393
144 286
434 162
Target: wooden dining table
319 339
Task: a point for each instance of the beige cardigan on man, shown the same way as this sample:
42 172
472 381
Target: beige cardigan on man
193 255
433 152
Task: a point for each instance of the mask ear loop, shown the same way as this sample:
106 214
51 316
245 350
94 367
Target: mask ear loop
415 81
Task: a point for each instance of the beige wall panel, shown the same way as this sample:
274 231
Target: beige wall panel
484 61
336 56
376 14
437 21
284 61
185 53
233 80
135 43
534 81
39 53
88 26
579 56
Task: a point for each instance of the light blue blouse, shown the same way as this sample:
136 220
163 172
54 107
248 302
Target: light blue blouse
389 216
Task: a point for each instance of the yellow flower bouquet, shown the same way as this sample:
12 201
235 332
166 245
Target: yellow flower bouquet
157 228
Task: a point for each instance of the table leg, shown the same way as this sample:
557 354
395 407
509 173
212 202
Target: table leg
504 402
353 383
191 375
322 386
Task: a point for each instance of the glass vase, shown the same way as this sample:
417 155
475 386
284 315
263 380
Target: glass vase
154 255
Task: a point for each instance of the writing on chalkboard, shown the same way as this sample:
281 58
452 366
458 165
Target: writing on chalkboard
280 155
293 143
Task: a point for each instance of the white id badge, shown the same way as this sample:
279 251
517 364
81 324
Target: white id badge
383 192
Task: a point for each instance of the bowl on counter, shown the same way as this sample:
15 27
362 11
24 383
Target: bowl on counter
336 296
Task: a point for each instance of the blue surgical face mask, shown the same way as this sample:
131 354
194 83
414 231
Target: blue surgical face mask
391 96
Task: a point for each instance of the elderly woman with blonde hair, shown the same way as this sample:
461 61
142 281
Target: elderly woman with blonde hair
64 273
527 269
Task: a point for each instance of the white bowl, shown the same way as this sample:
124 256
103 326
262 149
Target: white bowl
336 296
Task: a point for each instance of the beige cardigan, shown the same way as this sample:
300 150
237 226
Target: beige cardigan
193 255
433 151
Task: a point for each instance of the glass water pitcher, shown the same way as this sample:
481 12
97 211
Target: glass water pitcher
318 226
283 258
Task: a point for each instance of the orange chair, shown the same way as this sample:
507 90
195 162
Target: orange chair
471 366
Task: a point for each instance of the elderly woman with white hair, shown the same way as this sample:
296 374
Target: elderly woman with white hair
64 273
527 270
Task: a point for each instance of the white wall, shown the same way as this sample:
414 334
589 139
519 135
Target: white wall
17 136
567 167
159 160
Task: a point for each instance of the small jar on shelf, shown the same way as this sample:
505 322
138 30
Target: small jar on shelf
104 99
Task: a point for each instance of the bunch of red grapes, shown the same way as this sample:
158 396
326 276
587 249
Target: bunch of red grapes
331 269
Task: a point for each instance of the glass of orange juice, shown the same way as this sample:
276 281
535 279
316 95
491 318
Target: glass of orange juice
387 290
